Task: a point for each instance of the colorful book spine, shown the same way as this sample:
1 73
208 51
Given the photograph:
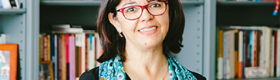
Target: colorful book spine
240 55
59 45
67 55
91 53
72 59
55 58
220 57
63 58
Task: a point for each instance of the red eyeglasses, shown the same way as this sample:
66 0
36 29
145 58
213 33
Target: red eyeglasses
134 12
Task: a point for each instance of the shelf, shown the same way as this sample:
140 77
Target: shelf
71 3
244 3
12 11
97 3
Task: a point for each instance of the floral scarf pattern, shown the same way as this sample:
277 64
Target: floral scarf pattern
113 70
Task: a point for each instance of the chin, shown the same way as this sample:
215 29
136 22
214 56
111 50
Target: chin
151 45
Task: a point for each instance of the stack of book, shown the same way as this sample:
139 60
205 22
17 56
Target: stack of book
72 51
247 52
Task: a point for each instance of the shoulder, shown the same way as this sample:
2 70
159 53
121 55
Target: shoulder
198 76
90 75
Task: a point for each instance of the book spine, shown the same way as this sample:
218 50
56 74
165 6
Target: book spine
45 47
91 54
72 58
55 58
240 55
59 65
275 52
231 54
67 56
236 62
86 52
272 57
40 47
265 63
220 58
225 55
278 54
63 58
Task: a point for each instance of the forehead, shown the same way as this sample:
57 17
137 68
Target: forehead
135 1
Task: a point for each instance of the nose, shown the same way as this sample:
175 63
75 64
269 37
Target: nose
146 16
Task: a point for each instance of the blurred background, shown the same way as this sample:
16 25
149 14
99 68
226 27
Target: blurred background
223 39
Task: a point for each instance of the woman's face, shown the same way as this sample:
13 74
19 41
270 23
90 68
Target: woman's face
147 31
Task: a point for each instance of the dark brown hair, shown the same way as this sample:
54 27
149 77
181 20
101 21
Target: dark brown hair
113 44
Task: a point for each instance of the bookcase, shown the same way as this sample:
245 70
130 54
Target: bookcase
246 13
21 27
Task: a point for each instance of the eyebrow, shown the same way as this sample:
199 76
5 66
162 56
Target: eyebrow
133 2
129 3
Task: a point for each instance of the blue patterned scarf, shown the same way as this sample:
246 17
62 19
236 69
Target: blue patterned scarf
113 70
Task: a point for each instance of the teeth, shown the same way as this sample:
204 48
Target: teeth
149 29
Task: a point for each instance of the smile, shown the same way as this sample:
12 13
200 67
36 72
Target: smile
148 29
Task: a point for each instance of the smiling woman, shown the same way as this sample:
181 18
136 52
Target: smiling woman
138 37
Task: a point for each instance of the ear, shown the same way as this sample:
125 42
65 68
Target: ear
113 20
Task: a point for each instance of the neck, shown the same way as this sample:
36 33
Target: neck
146 61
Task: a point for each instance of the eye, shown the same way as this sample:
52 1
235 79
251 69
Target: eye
130 9
155 5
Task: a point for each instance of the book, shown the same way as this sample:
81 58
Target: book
220 56
240 55
72 58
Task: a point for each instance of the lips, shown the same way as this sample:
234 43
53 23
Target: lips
148 29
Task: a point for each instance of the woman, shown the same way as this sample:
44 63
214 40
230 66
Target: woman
137 37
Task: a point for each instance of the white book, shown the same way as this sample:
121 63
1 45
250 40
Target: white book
2 38
91 51
229 54
225 53
265 50
220 68
240 51
272 57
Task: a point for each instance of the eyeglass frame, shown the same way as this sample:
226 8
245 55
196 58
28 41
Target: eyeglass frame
142 8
